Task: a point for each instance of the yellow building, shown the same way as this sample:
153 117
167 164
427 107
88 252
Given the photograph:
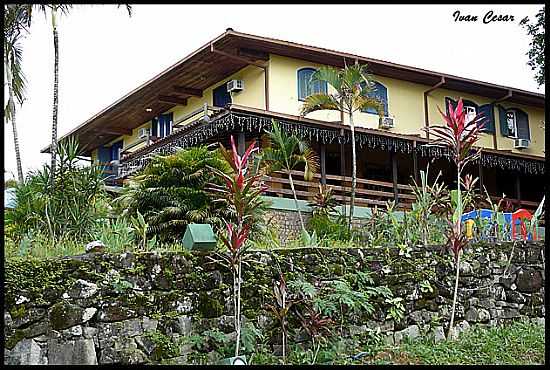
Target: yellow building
236 83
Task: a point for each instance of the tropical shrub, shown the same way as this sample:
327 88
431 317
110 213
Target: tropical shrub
170 192
240 194
71 208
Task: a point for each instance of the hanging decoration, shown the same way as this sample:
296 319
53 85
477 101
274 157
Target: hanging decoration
206 128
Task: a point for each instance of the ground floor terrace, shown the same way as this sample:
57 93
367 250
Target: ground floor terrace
387 163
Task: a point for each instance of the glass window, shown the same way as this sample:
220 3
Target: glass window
379 92
306 86
470 113
512 123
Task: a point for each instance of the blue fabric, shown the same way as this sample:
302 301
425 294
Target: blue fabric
221 96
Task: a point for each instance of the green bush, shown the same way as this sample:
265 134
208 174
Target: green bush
171 192
67 207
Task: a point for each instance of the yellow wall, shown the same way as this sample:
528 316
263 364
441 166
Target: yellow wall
405 104
536 116
251 96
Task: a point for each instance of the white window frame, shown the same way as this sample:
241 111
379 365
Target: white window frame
515 136
471 113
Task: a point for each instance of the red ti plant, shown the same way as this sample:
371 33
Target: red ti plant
242 196
459 136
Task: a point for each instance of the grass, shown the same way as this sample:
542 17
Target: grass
519 343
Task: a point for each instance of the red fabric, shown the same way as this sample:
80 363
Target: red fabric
521 215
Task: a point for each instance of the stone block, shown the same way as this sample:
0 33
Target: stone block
529 281
411 332
72 352
26 352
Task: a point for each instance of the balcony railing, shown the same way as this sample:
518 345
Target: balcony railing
134 160
368 192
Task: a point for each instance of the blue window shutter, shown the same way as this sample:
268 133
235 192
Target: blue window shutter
522 122
488 119
161 125
154 127
502 120
168 122
104 157
114 150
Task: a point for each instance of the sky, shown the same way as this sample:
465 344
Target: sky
104 54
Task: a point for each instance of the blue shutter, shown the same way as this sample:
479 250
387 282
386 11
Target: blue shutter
168 122
154 127
502 120
161 125
103 158
522 123
488 118
114 150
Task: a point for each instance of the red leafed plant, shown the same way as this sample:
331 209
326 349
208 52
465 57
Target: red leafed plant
242 196
459 136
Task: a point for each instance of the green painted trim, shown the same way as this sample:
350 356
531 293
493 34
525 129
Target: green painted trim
288 204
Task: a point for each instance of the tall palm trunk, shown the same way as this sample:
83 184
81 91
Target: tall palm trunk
55 96
353 170
11 103
296 201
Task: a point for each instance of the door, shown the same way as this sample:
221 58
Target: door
221 96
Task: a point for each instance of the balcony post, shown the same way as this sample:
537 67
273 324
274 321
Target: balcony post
394 177
518 190
322 154
241 143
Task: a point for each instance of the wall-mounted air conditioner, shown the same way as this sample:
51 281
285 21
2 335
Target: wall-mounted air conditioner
521 143
144 132
235 85
386 122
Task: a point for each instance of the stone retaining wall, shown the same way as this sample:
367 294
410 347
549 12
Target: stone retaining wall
139 307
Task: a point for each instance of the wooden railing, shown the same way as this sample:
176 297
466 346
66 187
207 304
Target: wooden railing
367 193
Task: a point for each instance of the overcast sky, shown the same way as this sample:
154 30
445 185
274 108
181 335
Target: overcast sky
104 54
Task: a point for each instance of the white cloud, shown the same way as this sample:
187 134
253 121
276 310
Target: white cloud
104 54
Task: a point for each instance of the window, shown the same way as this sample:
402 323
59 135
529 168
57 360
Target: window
379 92
512 123
306 86
162 125
470 113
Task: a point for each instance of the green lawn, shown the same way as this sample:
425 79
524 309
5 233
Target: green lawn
520 343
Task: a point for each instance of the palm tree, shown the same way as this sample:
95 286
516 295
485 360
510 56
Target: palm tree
287 152
16 21
54 9
352 84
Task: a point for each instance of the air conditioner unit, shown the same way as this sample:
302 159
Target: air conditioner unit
235 85
386 122
144 132
521 143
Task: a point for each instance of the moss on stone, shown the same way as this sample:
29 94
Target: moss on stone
209 307
13 339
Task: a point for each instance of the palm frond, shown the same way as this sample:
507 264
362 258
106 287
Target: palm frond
317 102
